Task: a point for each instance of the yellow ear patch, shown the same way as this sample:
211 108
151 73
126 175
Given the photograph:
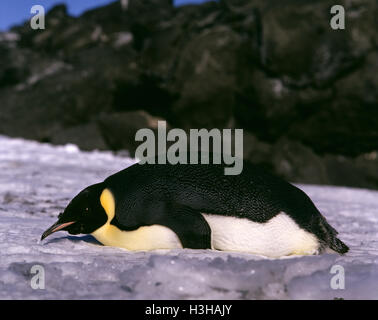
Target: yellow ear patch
107 202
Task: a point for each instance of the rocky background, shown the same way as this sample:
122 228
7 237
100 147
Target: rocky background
305 94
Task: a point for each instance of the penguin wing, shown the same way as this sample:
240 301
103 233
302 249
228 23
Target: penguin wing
189 224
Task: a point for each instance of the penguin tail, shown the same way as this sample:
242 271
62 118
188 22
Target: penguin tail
338 246
328 236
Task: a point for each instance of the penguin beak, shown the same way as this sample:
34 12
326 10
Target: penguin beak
56 227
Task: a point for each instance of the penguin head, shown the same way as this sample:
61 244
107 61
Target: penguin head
84 214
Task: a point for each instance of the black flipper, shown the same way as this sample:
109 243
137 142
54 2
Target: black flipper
190 226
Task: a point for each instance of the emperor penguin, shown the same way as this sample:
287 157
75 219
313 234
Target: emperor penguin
164 206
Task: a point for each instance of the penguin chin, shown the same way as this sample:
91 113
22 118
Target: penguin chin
75 228
80 228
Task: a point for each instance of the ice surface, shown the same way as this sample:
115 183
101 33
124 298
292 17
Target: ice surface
37 181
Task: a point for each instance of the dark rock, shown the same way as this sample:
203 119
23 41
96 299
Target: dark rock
119 129
256 151
86 137
13 64
304 93
287 107
147 92
298 163
205 73
347 125
361 172
301 47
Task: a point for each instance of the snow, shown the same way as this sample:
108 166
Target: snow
37 181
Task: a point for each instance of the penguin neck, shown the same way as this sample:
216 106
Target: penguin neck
108 203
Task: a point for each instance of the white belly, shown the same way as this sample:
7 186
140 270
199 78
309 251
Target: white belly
278 237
